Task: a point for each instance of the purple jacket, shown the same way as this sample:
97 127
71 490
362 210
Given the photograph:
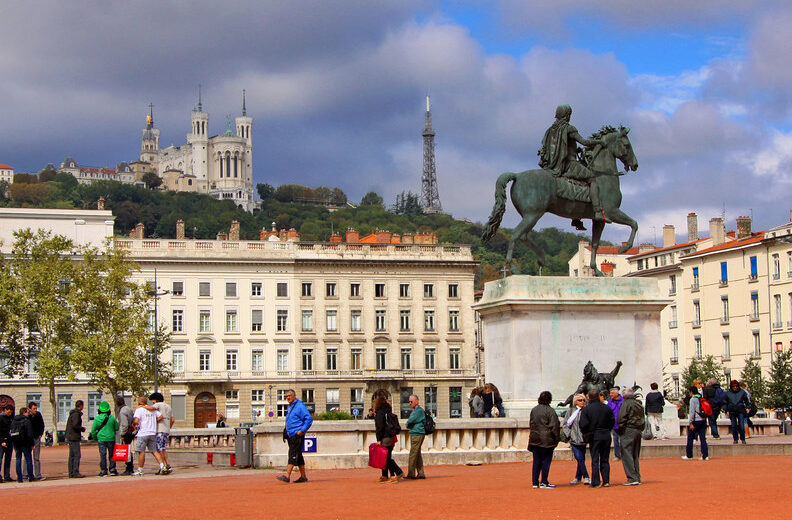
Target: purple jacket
615 406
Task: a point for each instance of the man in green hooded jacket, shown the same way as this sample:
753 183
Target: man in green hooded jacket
104 430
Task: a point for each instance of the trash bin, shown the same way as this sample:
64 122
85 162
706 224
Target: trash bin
787 428
243 450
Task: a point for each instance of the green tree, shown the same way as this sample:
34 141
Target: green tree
407 203
152 180
703 369
41 313
779 387
757 385
115 346
265 191
47 174
372 199
25 178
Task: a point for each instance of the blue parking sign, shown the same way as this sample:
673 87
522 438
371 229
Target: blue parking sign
309 444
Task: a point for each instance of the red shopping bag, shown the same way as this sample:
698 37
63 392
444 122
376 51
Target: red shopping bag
122 453
377 455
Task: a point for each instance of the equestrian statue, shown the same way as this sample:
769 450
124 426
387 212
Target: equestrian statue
572 182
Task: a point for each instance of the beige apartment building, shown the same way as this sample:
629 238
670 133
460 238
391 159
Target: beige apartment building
337 322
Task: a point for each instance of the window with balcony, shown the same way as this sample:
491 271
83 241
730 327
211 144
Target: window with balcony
454 354
453 320
177 288
379 320
178 320
282 290
307 359
354 290
404 320
428 290
453 290
724 309
695 286
205 320
724 279
331 316
429 358
354 320
726 347
672 323
231 321
231 290
332 359
255 289
231 360
282 320
330 290
256 320
178 361
404 290
354 360
674 351
776 267
381 355
257 360
406 358
379 290
754 269
754 306
204 289
307 290
204 361
429 320
307 320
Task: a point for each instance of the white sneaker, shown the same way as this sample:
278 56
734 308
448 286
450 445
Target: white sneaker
587 481
574 482
138 473
685 457
703 458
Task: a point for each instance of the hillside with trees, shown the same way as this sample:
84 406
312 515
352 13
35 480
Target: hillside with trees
314 212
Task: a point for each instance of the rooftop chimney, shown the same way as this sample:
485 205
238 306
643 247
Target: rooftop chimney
140 230
180 229
669 236
743 227
335 238
100 203
352 236
234 233
222 235
607 268
692 222
716 231
645 248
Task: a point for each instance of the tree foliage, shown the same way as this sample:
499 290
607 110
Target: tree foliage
757 385
372 198
407 203
152 180
779 386
704 369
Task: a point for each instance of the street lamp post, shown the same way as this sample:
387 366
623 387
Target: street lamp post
156 293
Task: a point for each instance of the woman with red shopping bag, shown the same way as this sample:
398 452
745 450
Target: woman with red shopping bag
387 425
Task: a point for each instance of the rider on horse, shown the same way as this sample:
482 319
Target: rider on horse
559 155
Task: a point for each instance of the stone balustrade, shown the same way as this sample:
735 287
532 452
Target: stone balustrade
202 438
762 426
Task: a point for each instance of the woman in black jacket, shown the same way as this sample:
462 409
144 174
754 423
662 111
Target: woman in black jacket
543 439
381 411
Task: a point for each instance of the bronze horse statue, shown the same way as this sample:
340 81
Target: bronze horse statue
536 192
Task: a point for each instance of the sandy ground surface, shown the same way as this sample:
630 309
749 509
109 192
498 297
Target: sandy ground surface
737 487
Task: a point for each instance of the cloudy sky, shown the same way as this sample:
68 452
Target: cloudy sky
337 91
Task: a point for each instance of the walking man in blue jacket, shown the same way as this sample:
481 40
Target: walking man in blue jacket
298 420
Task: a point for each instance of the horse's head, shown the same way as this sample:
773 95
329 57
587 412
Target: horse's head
621 148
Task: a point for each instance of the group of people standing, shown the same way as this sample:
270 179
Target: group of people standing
594 422
20 435
486 401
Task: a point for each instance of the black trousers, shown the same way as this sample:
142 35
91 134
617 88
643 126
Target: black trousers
542 457
128 438
600 466
390 465
295 450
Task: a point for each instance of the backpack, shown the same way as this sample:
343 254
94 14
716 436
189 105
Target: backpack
705 408
392 427
429 424
18 432
720 397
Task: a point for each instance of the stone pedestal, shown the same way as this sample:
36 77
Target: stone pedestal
539 332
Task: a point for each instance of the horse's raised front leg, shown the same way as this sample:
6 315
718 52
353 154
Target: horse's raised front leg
596 233
619 217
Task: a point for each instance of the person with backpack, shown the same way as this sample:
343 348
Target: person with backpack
387 430
716 396
738 404
6 448
298 420
21 434
416 423
697 427
104 430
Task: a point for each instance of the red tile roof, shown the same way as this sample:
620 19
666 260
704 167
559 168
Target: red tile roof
6 167
755 238
613 250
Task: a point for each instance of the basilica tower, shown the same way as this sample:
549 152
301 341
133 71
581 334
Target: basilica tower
149 144
198 138
244 127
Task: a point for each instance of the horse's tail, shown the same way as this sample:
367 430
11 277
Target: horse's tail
500 206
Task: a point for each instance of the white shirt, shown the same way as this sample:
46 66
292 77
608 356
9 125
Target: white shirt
164 425
147 422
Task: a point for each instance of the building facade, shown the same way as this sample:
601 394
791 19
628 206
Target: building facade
6 173
88 174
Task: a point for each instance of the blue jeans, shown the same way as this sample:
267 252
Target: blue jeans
106 449
579 451
699 430
27 452
713 423
737 426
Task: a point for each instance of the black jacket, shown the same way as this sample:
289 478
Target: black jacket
489 401
709 394
736 402
37 421
654 402
379 422
74 427
545 427
26 437
5 426
596 421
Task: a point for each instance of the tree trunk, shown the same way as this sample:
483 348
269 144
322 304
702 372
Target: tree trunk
54 405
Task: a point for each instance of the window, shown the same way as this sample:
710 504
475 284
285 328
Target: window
231 360
64 406
640 265
231 321
256 320
429 358
778 318
757 350
307 359
333 399
776 267
455 402
152 321
381 355
404 320
205 321
724 279
754 268
453 358
178 320
696 313
695 279
331 290
428 290
232 410
356 399
379 290
672 280
32 364
332 359
282 320
672 323
429 319
204 361
204 289
308 399
354 290
283 360
404 290
453 290
699 351
33 398
331 316
453 320
257 396
354 320
231 290
232 395
93 404
430 400
282 290
404 398
354 361
255 289
675 379
726 346
257 360
754 305
674 351
379 320
724 309
177 288
178 361
406 358
307 320
307 289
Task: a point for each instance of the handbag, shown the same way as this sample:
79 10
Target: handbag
647 431
378 455
122 453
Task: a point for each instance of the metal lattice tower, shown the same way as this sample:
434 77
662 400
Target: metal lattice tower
430 198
